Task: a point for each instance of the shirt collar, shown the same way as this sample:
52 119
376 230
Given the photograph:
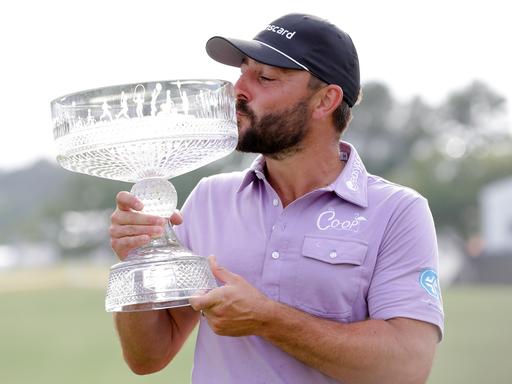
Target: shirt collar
350 185
254 172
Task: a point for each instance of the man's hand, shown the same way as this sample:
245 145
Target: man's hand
235 309
130 228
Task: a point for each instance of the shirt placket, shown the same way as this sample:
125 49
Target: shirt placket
276 246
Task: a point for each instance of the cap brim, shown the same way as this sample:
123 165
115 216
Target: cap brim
232 52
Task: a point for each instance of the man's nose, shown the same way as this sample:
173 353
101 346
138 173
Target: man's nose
241 88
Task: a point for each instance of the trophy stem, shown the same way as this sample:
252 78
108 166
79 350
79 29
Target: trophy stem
163 273
168 239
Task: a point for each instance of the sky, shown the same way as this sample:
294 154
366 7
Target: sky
52 48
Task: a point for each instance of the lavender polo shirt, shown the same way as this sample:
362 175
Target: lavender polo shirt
360 248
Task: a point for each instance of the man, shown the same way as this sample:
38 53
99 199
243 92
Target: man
328 272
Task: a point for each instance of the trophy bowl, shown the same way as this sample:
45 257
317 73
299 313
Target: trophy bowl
147 133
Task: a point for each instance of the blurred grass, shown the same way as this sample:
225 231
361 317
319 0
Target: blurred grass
54 329
63 335
477 347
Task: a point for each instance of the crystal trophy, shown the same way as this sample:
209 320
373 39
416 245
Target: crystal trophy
147 133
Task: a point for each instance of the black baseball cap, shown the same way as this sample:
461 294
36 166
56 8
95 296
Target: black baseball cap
298 41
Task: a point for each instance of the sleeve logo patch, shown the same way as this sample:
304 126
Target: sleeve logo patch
430 282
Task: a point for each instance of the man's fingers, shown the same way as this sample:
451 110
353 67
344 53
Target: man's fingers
135 218
119 231
195 303
130 228
124 245
206 301
127 201
176 218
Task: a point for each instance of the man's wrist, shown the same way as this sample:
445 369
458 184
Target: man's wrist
265 316
273 316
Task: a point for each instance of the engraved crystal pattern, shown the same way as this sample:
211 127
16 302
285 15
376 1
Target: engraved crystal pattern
146 133
165 282
107 133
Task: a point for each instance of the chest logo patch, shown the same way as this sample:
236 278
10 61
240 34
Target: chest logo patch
327 220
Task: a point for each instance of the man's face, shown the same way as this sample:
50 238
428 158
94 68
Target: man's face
272 109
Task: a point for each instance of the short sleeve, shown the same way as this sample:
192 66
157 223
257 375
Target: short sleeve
405 280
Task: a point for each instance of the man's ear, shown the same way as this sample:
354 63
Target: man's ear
326 101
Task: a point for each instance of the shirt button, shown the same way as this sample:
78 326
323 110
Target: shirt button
275 202
333 254
275 255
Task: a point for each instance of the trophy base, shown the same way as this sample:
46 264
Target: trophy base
157 278
154 305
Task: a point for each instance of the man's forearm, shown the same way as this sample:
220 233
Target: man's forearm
144 337
151 339
363 352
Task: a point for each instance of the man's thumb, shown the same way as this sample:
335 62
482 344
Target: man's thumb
221 273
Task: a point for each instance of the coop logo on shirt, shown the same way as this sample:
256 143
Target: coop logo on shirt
328 220
430 283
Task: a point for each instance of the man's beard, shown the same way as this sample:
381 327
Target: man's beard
276 135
